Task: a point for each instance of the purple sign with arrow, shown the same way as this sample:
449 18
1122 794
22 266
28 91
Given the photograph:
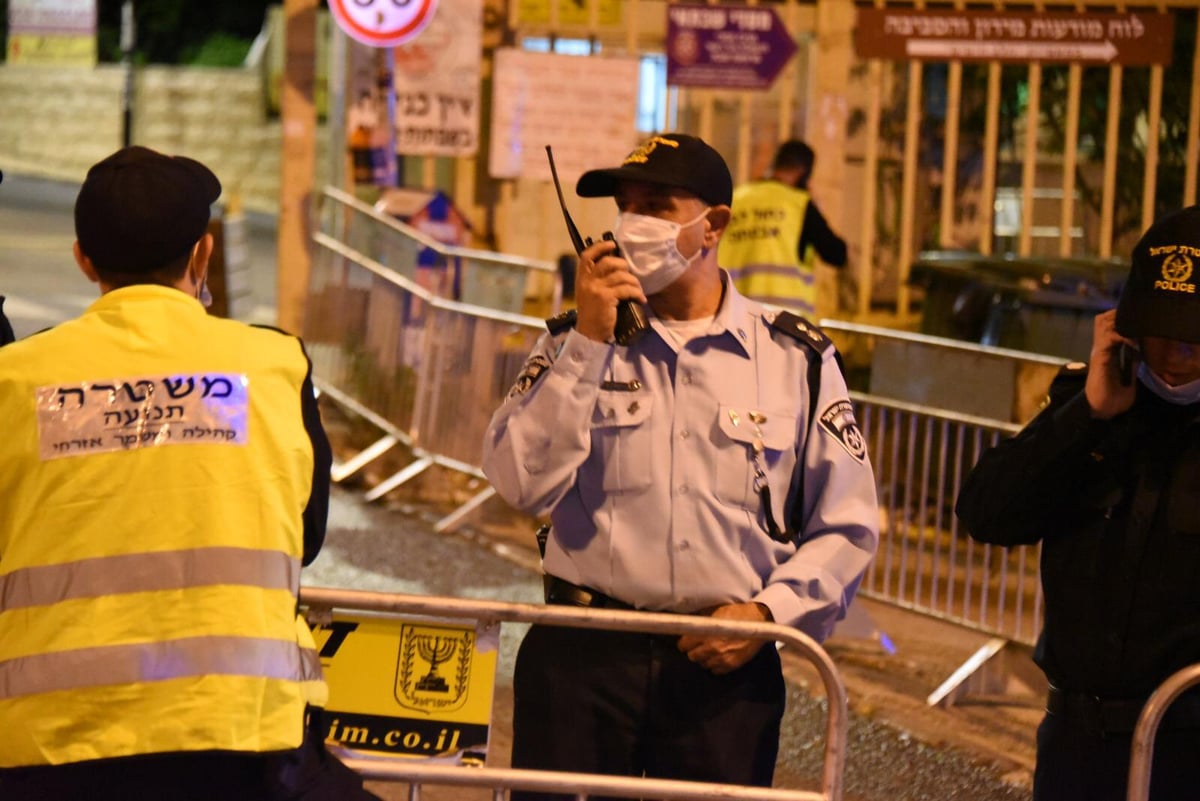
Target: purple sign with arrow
725 47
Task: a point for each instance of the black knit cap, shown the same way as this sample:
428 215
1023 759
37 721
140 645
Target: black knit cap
1161 297
671 159
139 210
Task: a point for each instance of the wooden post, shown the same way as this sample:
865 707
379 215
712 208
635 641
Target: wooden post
826 125
297 163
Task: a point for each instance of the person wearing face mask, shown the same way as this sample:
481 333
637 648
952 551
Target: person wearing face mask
1107 479
163 476
777 232
712 467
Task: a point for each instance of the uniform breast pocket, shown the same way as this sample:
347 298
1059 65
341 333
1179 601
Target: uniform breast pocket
621 437
734 479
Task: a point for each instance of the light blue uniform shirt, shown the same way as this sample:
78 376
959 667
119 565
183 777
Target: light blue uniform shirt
643 458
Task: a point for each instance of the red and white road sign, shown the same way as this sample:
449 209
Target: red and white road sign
382 23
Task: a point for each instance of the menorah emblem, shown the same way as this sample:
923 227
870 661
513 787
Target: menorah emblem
447 651
435 651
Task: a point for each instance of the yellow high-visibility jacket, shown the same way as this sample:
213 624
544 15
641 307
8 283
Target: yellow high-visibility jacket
761 247
155 470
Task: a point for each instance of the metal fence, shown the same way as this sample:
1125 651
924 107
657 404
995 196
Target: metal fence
418 773
926 562
429 372
1142 752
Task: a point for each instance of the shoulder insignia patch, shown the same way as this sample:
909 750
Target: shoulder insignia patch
838 421
802 330
561 322
530 373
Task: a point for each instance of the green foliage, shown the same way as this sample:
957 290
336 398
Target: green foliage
171 32
220 50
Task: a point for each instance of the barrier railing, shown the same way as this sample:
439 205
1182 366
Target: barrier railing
1141 755
430 372
926 563
426 370
500 780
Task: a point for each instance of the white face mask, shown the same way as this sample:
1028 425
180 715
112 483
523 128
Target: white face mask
1182 395
651 246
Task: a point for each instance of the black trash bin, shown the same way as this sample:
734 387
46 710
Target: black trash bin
1039 305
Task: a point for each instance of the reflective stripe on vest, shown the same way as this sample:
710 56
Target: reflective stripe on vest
779 286
146 572
158 661
760 246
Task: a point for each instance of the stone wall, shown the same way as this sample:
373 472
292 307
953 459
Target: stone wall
56 122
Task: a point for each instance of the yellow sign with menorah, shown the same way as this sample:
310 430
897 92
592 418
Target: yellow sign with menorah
409 687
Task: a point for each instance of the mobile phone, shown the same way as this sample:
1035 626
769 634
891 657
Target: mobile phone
1127 357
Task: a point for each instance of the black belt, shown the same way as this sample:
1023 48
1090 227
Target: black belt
1118 715
564 593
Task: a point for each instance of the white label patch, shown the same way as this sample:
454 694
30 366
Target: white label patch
127 413
838 420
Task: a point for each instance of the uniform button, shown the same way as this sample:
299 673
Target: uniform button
683 546
687 378
683 489
685 433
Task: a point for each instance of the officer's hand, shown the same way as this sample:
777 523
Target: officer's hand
1105 394
722 654
601 280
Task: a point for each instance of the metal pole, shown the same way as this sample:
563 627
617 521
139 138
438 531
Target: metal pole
128 39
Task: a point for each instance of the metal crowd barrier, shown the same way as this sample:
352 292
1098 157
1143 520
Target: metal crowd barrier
926 562
418 773
1142 752
429 372
426 370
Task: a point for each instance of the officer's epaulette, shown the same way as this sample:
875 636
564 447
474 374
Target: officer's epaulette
801 330
561 322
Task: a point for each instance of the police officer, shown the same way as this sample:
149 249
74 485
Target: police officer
1107 479
777 232
713 467
163 476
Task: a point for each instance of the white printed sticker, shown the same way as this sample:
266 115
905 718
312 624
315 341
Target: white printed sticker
127 413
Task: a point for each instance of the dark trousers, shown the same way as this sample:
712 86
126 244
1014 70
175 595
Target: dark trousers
308 773
1078 762
631 704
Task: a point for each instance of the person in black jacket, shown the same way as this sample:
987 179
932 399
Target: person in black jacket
6 330
1107 478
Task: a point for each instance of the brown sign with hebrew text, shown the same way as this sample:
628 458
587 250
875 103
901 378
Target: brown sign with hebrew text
1133 38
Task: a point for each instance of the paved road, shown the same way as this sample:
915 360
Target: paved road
379 548
38 274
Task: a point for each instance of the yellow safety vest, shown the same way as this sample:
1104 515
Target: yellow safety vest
154 469
760 248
